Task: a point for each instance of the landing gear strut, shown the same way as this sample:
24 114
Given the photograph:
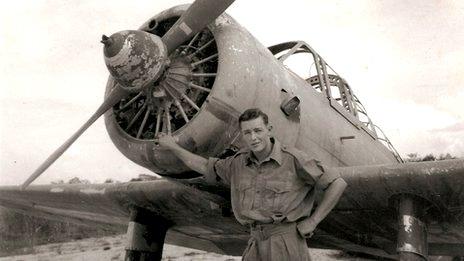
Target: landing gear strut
145 236
412 231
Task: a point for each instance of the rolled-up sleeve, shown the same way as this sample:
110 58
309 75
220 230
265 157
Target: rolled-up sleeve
219 170
313 172
328 176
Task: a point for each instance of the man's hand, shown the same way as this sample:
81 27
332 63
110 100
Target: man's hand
193 161
306 227
329 199
166 141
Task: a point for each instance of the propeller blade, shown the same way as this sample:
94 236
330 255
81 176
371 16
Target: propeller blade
198 16
116 95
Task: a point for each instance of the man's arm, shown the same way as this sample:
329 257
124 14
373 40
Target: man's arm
193 161
330 198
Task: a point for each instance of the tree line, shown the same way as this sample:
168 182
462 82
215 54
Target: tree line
20 233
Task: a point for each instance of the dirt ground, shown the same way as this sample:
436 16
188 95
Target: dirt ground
112 248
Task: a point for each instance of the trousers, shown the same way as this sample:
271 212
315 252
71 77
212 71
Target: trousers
276 242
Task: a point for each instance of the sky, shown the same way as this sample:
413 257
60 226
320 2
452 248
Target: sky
403 59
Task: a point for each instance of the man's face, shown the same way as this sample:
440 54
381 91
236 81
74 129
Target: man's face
256 134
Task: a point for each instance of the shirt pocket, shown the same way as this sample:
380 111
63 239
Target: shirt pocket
275 193
245 194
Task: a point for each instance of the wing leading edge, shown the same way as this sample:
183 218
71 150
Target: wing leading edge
368 212
197 216
364 220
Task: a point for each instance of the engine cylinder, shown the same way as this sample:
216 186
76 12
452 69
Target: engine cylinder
201 110
214 77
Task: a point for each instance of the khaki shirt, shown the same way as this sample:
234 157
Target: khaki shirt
282 188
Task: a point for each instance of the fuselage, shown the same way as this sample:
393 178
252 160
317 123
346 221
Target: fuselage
248 75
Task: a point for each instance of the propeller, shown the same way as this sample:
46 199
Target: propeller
116 95
198 16
136 59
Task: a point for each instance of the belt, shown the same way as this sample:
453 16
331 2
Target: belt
264 231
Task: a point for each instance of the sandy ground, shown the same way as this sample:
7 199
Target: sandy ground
112 248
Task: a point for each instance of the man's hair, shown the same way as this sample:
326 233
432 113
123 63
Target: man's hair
252 114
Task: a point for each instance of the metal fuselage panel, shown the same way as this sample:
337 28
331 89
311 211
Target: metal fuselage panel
250 76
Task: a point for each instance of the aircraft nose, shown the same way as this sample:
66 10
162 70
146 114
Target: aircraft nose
106 40
134 58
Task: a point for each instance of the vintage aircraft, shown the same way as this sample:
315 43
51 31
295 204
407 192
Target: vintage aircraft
190 71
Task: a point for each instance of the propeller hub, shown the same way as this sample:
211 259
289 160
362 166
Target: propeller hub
134 58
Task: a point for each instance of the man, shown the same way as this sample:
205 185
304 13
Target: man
273 189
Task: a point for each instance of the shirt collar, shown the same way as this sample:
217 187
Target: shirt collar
276 154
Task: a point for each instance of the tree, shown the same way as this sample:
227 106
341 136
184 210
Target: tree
77 180
415 157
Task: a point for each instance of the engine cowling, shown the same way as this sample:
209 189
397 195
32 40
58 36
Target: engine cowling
245 75
209 88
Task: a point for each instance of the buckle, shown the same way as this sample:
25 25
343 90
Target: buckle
258 225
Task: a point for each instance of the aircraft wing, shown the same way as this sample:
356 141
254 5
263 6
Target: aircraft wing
367 214
202 220
365 220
